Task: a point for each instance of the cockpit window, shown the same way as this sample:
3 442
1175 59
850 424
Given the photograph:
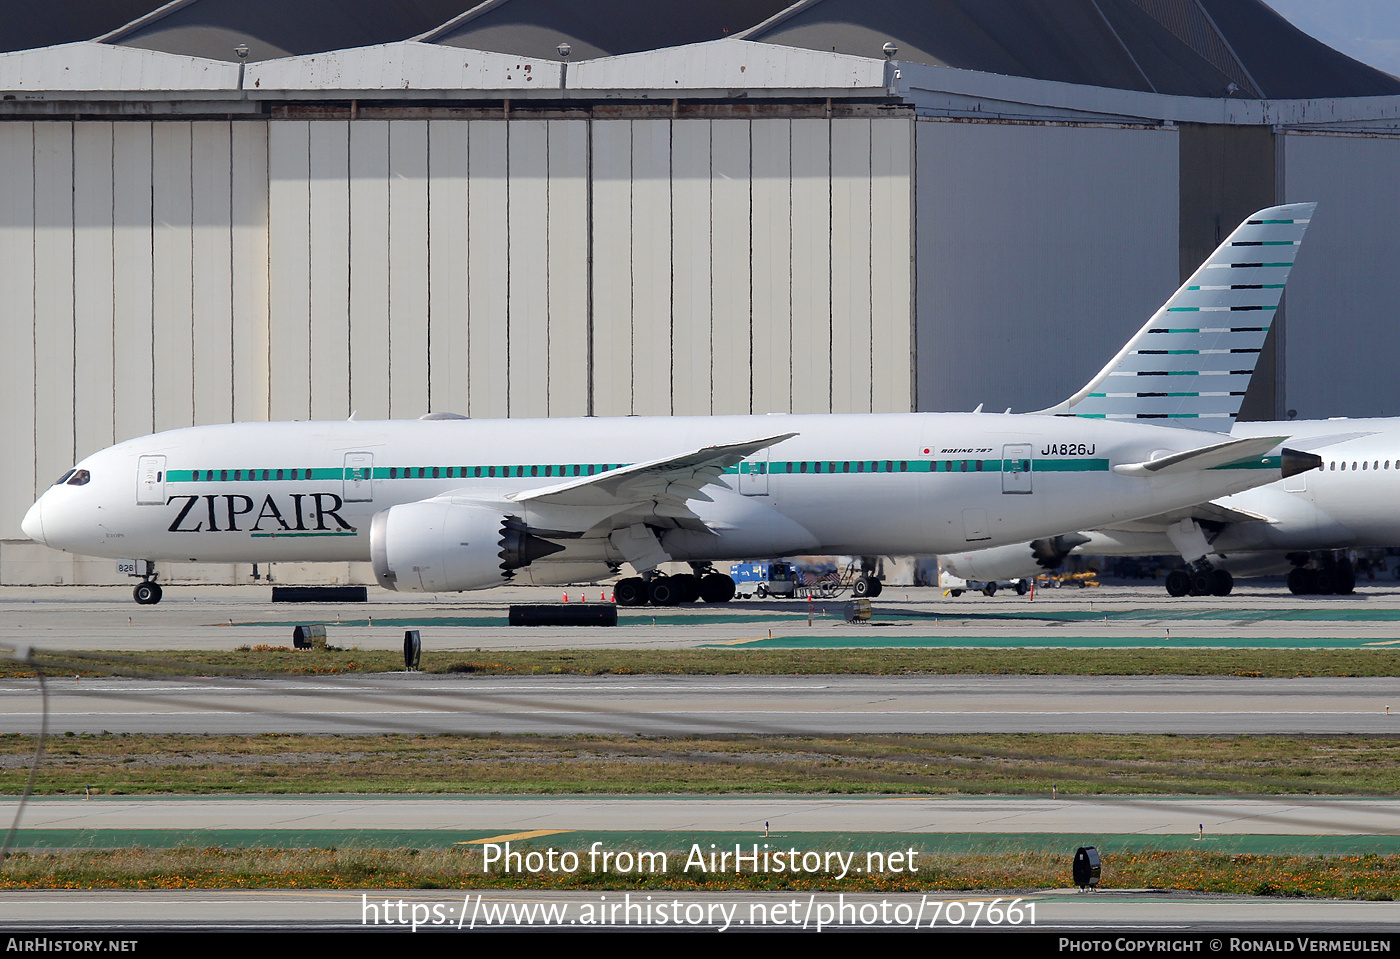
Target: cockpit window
79 478
64 478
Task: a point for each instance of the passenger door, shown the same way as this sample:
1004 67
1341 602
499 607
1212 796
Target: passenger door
1016 468
359 478
150 481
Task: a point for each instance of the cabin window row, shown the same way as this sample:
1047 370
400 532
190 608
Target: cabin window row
1334 465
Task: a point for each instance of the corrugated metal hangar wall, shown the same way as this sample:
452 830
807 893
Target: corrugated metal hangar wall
170 273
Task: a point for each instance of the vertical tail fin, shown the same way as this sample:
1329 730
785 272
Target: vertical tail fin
1192 362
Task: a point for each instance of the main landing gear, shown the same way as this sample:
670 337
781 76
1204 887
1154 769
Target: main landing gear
1332 575
1201 579
867 586
148 591
704 583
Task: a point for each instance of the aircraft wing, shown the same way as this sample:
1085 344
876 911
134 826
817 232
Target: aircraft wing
1202 512
658 488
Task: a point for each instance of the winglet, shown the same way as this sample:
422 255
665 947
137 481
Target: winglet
1192 362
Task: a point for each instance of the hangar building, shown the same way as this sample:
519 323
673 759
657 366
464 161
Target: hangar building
240 210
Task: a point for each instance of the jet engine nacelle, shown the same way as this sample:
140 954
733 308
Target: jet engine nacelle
441 547
1020 561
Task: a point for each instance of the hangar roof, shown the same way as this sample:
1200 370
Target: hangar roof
277 28
92 68
1199 48
1156 61
30 25
725 65
396 67
600 28
1180 47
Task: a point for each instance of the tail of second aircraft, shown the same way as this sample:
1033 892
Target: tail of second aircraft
1191 364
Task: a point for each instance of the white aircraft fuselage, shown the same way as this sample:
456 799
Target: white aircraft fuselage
1352 501
898 483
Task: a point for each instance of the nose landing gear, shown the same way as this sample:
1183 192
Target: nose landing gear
148 591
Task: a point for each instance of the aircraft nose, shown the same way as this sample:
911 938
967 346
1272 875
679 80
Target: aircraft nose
33 524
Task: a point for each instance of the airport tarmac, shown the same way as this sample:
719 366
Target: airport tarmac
1261 613
472 816
702 705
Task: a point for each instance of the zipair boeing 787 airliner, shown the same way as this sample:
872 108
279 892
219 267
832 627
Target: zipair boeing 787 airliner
447 504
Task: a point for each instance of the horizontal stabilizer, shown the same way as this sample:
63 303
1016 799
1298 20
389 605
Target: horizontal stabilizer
1207 457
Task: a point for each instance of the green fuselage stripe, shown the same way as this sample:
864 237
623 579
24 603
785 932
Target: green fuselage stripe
1039 464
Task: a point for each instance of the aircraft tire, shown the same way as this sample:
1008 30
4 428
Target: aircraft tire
990 590
664 591
1202 582
717 588
688 586
1178 583
862 587
146 593
1022 587
1300 581
1223 583
1346 578
876 587
1325 581
631 591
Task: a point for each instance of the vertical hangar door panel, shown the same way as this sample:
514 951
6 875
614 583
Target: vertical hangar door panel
359 478
408 267
567 274
150 481
1016 468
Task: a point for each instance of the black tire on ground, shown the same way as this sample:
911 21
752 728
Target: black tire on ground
631 591
989 590
1300 581
717 588
955 593
1325 580
663 591
876 587
146 593
688 587
1345 581
1202 582
762 591
863 587
1022 587
1224 583
1178 582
